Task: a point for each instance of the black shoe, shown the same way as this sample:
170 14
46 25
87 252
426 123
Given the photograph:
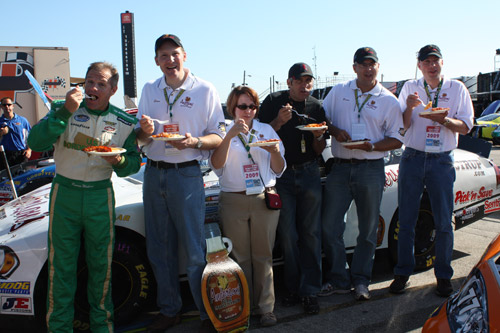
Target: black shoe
399 284
207 327
162 322
444 288
290 300
310 304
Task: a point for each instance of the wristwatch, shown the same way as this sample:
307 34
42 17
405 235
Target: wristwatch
199 143
447 122
319 138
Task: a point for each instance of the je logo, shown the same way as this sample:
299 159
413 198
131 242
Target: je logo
16 304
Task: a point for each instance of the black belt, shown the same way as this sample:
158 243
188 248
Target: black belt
166 165
302 166
352 160
272 188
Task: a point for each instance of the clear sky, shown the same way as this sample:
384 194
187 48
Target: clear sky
263 38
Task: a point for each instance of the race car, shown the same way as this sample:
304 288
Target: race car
24 224
487 127
27 177
474 307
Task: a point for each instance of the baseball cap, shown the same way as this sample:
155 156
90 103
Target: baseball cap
163 38
364 53
429 50
299 69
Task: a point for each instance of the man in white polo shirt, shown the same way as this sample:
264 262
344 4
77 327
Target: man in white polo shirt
428 162
173 193
361 109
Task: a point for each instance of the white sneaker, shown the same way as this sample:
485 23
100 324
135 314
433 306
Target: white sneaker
361 292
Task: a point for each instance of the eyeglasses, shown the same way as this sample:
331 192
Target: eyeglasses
429 62
6 104
244 107
368 65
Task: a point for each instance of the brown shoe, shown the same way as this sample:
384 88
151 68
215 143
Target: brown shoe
162 322
207 327
268 319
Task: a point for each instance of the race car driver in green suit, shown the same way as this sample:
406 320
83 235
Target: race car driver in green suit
82 198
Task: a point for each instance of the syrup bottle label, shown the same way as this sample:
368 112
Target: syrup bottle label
225 295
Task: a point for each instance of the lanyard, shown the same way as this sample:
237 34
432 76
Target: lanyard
357 103
247 147
436 97
171 105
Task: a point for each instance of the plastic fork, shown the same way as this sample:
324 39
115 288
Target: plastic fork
161 122
426 106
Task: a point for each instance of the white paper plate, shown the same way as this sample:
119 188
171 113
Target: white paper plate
263 143
115 151
305 128
354 143
434 112
175 138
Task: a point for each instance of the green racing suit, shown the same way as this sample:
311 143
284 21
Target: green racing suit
82 203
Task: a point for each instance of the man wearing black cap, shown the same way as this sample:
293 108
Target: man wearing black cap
361 109
427 161
174 197
299 187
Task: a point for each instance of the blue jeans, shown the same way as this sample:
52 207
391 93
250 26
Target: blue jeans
363 183
299 228
174 211
435 172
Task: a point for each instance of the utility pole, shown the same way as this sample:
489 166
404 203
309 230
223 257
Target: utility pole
315 68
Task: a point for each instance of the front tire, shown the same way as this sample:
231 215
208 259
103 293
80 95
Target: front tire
425 237
133 284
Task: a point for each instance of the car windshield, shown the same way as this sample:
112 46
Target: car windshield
489 117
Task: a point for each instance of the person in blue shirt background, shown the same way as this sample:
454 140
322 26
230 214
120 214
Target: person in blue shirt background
14 131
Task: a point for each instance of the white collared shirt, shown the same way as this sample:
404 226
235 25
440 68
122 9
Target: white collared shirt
231 176
381 116
453 95
198 111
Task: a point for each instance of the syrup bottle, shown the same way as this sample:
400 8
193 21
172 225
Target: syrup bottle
224 288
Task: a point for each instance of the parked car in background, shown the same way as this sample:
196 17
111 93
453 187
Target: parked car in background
27 177
494 107
475 306
24 224
486 127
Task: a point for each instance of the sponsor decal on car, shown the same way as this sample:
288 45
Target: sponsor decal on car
491 206
15 287
42 173
462 197
16 304
122 217
468 165
391 178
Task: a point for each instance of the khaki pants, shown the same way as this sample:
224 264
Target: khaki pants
252 226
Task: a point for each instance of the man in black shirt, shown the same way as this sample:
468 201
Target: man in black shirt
299 225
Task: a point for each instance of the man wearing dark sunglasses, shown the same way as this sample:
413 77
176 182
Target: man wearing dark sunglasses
14 131
299 187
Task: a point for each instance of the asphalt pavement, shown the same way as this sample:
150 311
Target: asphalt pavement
385 312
